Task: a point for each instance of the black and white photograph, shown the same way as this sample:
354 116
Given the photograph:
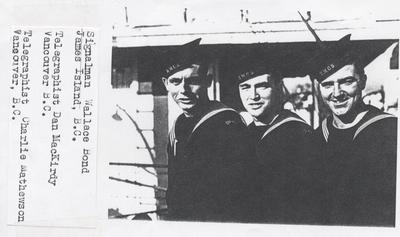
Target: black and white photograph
254 113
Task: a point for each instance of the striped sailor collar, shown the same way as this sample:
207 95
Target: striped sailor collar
283 117
373 115
340 125
258 123
213 108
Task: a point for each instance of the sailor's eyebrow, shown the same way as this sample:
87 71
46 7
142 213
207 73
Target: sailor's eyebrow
327 83
245 85
262 84
347 78
174 79
341 80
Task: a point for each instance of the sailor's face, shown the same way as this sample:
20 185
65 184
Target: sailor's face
187 88
342 90
257 95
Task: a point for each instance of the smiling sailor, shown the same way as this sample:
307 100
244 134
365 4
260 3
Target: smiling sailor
207 144
357 141
281 140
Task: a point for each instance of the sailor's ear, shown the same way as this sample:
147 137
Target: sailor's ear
363 81
165 81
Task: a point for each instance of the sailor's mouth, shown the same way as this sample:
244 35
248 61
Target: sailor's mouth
340 103
185 100
256 105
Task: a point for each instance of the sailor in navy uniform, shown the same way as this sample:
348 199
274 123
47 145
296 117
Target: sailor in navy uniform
357 142
207 148
281 140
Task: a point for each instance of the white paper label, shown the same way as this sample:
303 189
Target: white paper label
53 127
